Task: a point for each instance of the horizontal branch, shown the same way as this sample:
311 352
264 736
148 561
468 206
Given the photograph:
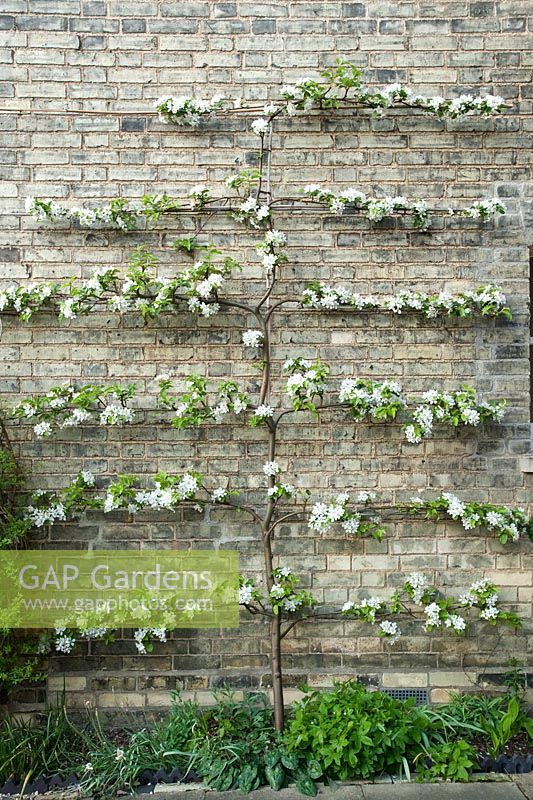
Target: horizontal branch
219 114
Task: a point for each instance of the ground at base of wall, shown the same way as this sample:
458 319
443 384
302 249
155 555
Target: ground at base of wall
481 787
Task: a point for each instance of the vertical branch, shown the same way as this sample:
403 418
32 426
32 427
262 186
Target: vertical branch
266 525
275 624
267 528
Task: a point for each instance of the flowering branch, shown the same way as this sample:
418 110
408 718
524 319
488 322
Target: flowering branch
193 407
119 213
68 407
416 596
187 110
254 213
415 599
511 524
195 288
487 300
376 209
340 87
452 408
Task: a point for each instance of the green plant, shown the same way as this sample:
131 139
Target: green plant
354 733
230 742
512 722
467 714
235 746
19 662
450 761
110 768
13 524
497 719
46 746
515 679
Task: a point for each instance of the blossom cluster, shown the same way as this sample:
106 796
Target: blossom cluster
374 209
465 105
438 612
510 523
253 338
371 399
186 110
195 287
279 490
142 637
119 213
67 407
306 382
193 406
199 196
248 592
263 413
284 595
80 297
46 508
26 300
483 595
251 212
169 492
267 249
367 610
336 87
481 209
342 85
63 640
452 408
487 300
323 516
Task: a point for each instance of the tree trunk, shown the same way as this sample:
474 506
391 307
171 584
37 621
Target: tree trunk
275 661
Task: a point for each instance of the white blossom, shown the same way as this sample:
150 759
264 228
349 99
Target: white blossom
419 585
245 594
390 630
456 622
42 429
252 338
264 411
432 612
260 126
271 468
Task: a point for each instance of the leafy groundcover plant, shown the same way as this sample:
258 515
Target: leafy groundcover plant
354 733
347 733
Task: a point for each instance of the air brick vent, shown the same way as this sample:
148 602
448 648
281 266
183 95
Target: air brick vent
420 695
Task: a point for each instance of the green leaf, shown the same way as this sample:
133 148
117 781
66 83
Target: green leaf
307 786
247 778
289 760
314 769
275 777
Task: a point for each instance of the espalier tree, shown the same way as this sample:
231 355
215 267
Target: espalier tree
203 287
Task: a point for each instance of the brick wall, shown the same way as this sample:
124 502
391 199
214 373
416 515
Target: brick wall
118 56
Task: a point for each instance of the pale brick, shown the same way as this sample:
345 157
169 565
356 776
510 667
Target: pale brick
404 680
453 680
